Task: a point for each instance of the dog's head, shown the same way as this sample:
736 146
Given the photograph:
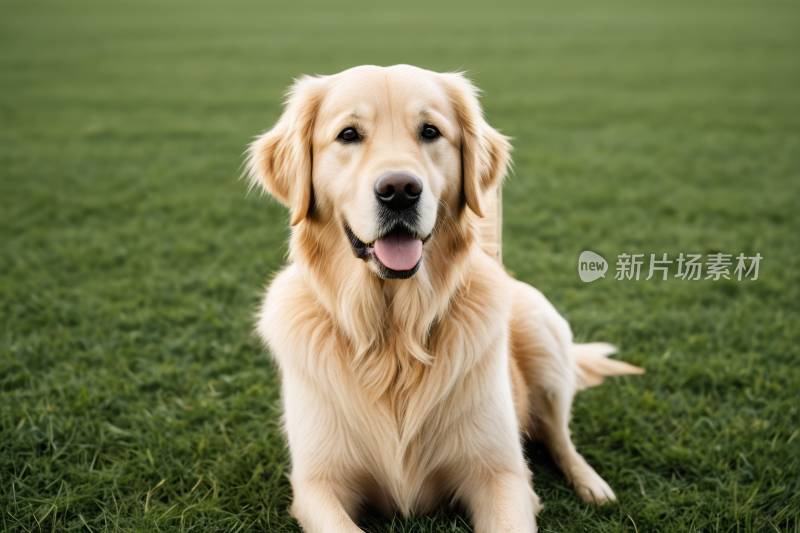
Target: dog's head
379 153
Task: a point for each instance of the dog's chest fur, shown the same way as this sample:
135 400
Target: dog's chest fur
398 444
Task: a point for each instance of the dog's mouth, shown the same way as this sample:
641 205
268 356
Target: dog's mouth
397 254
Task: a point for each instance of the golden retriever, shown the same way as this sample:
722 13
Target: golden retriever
411 362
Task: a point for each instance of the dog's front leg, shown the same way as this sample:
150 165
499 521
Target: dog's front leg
317 508
502 502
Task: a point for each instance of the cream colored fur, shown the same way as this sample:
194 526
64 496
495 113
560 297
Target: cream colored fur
403 395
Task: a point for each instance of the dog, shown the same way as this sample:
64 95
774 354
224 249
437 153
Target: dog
412 364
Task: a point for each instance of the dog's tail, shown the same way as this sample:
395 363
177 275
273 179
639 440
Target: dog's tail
594 364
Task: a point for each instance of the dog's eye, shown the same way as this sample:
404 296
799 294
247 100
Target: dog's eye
429 133
349 135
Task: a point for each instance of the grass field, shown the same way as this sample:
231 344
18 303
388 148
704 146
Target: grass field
133 395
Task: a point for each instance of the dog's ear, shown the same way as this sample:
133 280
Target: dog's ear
280 160
484 151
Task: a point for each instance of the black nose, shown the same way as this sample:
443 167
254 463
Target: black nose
398 190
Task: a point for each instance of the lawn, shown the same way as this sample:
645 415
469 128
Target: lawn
133 394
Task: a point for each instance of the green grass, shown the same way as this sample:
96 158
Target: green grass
131 259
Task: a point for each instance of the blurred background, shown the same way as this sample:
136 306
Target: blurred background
133 394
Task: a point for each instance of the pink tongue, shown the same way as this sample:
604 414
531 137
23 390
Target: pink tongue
399 250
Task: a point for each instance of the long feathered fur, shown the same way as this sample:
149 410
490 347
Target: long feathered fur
405 394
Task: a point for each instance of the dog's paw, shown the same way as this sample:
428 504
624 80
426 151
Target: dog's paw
593 489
